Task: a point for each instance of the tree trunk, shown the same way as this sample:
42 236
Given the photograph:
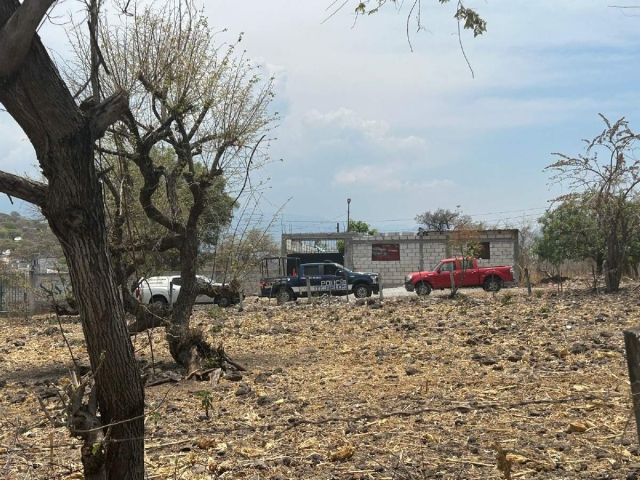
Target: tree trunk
614 275
614 266
599 262
63 137
454 288
187 347
632 349
75 212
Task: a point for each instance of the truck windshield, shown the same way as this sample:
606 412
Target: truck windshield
343 268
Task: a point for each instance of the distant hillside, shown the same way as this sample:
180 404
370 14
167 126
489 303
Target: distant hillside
27 238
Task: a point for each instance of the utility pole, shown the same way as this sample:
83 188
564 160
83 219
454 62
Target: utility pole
348 205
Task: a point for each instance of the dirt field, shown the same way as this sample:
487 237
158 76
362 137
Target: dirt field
412 389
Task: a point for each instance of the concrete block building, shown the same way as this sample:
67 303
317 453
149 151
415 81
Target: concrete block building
393 255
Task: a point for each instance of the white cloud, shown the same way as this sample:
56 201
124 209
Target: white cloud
381 179
279 75
347 119
384 179
344 120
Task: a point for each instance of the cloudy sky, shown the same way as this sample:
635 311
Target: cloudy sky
401 132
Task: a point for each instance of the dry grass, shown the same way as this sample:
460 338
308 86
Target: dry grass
418 389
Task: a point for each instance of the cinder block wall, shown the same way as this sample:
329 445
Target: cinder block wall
502 253
423 252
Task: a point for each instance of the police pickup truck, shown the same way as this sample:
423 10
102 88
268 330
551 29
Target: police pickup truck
327 277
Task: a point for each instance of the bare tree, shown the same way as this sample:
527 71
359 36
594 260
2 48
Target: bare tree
464 245
240 249
526 259
443 219
609 186
196 124
63 135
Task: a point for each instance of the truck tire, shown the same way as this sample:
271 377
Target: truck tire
284 295
492 284
159 300
361 290
423 288
224 302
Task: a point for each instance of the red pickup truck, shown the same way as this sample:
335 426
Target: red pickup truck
466 273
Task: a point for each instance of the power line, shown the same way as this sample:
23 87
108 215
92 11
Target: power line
319 222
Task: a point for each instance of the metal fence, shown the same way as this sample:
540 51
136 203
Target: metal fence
14 292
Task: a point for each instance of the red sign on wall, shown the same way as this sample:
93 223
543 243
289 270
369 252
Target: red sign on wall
385 252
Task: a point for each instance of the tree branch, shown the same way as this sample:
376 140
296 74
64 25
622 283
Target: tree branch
108 112
151 245
246 177
16 35
24 189
146 316
115 153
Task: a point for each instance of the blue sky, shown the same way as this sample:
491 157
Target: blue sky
401 132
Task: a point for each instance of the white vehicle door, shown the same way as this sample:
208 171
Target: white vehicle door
173 292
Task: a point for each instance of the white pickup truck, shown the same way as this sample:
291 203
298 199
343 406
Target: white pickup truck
165 290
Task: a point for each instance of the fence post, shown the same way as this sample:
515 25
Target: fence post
308 289
3 281
381 287
632 348
346 279
32 292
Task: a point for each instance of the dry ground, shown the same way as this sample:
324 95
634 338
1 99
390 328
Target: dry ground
412 389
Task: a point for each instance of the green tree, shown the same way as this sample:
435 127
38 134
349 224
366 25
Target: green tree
360 227
570 232
356 226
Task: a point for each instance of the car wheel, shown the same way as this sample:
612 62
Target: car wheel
423 288
159 300
224 302
284 295
361 291
492 284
